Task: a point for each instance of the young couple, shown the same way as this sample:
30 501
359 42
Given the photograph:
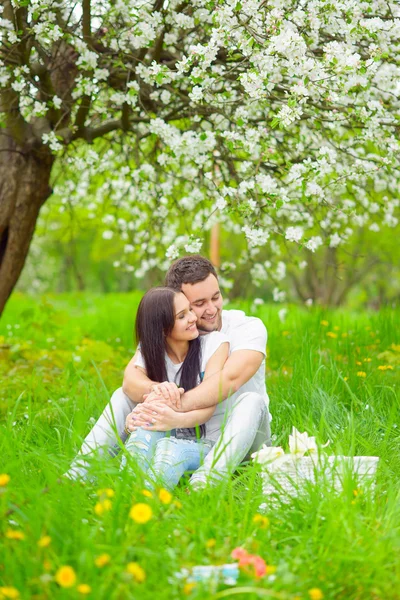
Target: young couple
193 396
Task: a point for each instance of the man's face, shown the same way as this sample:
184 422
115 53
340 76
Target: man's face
206 302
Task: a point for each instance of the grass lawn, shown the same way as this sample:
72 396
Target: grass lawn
335 375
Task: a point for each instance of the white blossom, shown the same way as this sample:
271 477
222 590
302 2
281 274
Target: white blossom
254 236
172 252
51 140
194 246
294 234
278 295
314 243
334 240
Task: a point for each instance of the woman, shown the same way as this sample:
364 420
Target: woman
172 350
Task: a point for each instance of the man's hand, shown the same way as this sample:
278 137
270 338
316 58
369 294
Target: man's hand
170 393
154 416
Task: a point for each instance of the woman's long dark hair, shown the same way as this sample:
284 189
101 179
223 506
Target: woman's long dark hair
155 320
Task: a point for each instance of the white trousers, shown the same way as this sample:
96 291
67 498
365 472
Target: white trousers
244 428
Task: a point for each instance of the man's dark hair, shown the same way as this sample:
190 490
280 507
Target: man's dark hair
189 269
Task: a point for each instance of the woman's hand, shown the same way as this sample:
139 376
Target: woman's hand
155 416
169 391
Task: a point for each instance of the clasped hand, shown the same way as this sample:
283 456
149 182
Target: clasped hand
159 410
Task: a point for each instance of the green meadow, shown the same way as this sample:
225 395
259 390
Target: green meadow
334 374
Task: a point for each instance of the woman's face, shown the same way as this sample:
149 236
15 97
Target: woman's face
185 320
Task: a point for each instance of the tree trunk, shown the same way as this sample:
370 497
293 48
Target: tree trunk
24 187
215 255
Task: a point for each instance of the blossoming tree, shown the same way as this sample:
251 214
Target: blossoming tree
278 118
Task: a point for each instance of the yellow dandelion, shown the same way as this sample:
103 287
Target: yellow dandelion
271 569
210 543
345 378
99 509
188 588
331 334
345 335
325 323
106 492
315 594
102 507
44 541
102 560
137 572
14 534
285 333
336 328
9 592
4 480
261 521
367 359
141 513
385 367
147 493
84 588
178 504
358 362
65 576
165 496
361 374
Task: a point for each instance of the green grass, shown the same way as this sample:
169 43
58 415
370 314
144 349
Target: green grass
60 359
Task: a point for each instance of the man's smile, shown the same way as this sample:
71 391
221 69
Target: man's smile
209 317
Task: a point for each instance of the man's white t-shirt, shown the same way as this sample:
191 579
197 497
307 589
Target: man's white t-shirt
247 333
243 333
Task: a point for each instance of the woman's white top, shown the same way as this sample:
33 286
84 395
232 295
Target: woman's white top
209 345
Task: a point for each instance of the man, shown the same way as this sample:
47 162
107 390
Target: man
238 392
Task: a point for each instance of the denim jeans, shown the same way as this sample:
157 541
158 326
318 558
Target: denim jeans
237 432
165 459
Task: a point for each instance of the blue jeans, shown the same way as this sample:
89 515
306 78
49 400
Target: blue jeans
165 459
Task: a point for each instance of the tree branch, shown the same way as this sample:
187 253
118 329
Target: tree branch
86 22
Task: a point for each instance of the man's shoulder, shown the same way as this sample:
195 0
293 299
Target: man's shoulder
232 316
231 319
213 337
